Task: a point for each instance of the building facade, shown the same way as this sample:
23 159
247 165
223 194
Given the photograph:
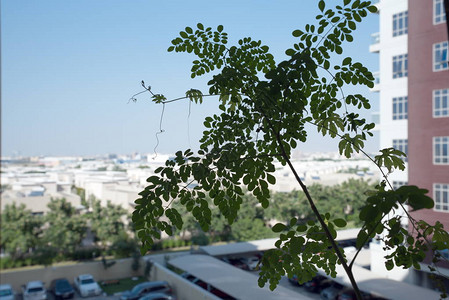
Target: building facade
414 109
391 45
428 130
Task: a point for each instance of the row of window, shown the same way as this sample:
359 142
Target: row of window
439 15
400 23
401 145
441 196
440 60
440 105
440 149
400 108
440 57
400 20
400 66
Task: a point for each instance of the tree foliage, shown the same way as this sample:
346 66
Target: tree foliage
41 239
66 227
264 107
20 230
106 222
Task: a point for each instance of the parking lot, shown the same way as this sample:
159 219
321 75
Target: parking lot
50 296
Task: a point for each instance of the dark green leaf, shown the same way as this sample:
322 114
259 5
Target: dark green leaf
321 5
340 223
372 9
278 227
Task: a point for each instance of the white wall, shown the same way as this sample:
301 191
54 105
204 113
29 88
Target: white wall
391 46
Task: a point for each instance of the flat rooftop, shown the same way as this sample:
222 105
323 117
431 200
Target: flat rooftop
231 280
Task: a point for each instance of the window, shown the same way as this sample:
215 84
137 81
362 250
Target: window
441 196
441 103
400 108
398 184
400 66
401 145
400 23
439 15
440 60
440 150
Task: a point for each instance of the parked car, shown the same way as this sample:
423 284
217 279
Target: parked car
6 292
237 262
317 284
349 294
34 290
145 288
61 289
157 296
331 292
294 280
207 286
87 286
253 262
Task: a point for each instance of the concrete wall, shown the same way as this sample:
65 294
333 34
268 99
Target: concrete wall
121 269
182 288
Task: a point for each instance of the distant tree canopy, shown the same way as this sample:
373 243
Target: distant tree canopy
343 200
106 222
20 231
65 227
27 238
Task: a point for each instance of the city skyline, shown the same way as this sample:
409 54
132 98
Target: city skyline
69 71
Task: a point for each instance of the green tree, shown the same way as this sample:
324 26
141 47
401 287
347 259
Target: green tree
264 109
65 227
82 193
106 223
250 223
20 230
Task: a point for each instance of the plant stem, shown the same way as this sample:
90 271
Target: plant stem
326 229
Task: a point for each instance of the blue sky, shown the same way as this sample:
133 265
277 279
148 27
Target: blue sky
69 68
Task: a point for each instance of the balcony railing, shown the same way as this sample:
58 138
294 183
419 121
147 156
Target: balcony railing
375 38
375 118
376 77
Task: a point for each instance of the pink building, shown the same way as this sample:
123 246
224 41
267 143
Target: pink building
428 112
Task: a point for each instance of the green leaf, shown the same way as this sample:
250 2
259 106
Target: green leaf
362 237
271 179
415 196
297 33
372 9
347 61
183 34
321 5
301 228
340 223
220 28
389 264
278 227
293 221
